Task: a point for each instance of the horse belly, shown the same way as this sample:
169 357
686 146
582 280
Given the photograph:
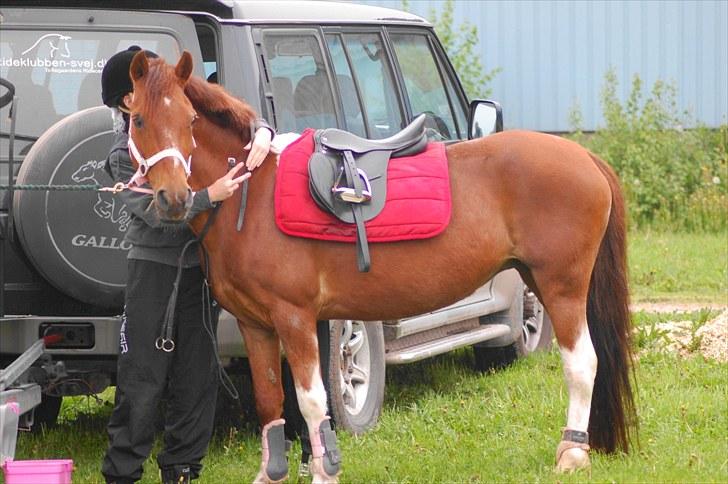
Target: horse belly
407 279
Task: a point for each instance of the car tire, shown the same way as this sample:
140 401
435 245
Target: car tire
46 413
356 374
536 334
74 238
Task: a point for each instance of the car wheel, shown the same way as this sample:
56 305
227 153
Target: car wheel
536 333
356 374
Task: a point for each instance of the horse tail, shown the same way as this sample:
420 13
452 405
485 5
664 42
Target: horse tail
613 421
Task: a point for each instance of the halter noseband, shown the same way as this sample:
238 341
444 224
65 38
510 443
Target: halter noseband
145 164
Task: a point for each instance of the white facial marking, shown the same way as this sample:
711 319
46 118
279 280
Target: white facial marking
167 101
580 368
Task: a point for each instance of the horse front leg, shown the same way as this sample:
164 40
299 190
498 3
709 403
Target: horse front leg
264 355
302 352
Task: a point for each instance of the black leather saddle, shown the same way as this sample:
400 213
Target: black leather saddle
348 175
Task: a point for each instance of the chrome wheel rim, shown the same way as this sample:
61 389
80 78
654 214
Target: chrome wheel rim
355 365
532 321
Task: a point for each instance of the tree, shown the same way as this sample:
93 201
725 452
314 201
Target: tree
460 43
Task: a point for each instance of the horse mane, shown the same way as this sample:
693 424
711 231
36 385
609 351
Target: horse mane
208 99
224 110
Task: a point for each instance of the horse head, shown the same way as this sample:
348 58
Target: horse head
87 171
160 131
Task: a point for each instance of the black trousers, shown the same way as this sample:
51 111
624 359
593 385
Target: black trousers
187 377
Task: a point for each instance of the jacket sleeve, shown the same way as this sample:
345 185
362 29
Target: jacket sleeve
262 123
142 204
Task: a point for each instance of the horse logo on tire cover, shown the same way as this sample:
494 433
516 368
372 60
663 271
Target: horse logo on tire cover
106 206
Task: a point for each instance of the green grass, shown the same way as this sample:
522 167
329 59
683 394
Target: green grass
679 266
443 422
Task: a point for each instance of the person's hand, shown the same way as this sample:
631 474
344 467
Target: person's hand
259 148
225 186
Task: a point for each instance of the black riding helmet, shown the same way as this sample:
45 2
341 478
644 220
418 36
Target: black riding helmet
115 80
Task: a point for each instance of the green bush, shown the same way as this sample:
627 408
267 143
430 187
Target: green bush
672 170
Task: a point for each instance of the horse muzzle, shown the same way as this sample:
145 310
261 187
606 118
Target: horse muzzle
173 206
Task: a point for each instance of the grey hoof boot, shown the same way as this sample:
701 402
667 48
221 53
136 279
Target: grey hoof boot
274 465
326 464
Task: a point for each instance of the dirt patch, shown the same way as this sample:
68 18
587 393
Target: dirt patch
672 307
710 339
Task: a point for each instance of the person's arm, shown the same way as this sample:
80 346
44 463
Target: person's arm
261 123
260 145
140 204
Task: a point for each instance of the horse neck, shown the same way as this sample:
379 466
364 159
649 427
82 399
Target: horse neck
215 145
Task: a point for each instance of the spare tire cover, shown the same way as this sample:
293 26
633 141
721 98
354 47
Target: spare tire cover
75 239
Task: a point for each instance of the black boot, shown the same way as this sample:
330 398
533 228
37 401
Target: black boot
179 474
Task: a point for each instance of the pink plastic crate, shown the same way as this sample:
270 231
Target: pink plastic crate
38 471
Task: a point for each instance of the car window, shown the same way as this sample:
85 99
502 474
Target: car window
425 88
347 89
57 73
208 48
373 76
302 95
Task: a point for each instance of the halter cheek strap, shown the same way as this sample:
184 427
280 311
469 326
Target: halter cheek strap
145 164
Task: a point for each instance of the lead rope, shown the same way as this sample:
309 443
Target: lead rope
207 323
165 342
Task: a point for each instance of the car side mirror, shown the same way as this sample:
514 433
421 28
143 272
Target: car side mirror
486 117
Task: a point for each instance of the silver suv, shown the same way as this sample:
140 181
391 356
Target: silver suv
365 69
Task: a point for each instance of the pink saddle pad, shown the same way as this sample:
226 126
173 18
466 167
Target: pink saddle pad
417 207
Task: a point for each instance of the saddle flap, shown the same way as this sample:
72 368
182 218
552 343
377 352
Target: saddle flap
325 171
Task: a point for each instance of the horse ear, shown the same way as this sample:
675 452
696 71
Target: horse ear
184 66
139 66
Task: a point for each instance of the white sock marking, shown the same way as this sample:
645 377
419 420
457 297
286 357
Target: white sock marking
580 368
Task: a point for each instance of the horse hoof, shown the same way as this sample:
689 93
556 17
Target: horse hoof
319 474
262 478
573 459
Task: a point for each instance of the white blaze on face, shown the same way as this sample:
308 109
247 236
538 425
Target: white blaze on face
169 134
580 367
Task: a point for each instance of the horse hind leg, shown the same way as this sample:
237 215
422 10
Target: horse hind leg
263 349
302 351
564 296
580 367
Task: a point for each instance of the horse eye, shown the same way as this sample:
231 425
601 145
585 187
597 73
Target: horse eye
194 118
138 123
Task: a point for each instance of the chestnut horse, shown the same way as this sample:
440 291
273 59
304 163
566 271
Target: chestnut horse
538 203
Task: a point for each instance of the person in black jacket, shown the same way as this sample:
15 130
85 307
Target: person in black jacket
187 377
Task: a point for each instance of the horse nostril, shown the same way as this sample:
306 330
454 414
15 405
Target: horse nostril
162 200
